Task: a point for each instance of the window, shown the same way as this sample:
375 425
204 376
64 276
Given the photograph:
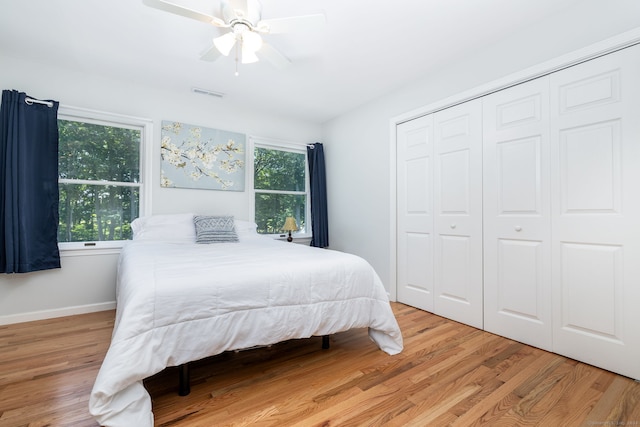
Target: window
100 167
281 186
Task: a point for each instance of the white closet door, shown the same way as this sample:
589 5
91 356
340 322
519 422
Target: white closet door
415 213
517 225
458 213
596 211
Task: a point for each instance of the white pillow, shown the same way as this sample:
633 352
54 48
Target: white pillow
180 228
246 229
165 228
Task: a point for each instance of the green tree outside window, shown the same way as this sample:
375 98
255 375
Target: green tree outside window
99 176
280 188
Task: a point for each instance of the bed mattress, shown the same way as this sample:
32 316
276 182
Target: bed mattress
180 302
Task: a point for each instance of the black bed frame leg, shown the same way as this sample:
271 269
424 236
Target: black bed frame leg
325 342
184 387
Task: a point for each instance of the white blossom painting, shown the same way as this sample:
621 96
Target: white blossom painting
199 157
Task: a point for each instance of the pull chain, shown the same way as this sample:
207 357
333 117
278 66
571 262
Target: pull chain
237 55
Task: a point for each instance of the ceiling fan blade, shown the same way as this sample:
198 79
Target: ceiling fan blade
241 10
186 12
292 24
239 5
210 54
274 56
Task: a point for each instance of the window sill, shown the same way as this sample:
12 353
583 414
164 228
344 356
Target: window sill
68 249
303 240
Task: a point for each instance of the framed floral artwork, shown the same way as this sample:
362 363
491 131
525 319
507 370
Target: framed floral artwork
199 157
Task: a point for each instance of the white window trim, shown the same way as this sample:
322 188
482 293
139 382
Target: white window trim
295 147
146 161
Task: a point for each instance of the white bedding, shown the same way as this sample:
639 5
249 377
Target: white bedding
179 302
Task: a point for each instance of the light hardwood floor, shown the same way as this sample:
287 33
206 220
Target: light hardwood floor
448 374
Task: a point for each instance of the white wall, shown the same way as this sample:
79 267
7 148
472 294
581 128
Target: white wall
357 144
87 283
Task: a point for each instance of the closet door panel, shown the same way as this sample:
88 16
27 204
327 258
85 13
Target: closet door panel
518 162
454 251
458 213
596 211
517 227
418 269
415 213
588 306
590 167
453 189
519 281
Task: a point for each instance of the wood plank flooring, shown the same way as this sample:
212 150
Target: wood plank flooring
448 375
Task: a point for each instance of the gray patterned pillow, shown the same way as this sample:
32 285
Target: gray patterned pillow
214 229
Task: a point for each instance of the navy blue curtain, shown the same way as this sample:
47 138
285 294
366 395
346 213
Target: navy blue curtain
28 184
318 182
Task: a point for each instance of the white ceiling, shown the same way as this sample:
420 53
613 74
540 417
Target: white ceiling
368 48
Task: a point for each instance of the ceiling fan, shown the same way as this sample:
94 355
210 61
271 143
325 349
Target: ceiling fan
243 19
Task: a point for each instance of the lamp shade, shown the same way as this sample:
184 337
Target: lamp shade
225 43
290 224
248 57
251 41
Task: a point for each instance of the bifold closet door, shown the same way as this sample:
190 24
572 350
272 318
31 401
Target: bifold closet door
415 212
457 194
596 211
439 234
517 224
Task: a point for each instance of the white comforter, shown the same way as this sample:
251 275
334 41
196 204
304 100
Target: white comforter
182 302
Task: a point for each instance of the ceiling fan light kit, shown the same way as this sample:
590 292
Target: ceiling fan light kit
243 18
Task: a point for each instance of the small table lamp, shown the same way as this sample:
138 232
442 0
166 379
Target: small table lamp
290 225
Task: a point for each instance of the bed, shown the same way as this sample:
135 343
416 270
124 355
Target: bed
181 301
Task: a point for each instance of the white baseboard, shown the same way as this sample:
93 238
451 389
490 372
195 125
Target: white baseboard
57 312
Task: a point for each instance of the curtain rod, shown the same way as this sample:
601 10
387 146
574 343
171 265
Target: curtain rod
31 101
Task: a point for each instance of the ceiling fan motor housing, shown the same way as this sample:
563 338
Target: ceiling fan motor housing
246 12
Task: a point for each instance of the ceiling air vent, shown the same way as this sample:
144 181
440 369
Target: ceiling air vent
207 92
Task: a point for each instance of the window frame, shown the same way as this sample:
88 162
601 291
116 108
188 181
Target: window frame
294 147
146 137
